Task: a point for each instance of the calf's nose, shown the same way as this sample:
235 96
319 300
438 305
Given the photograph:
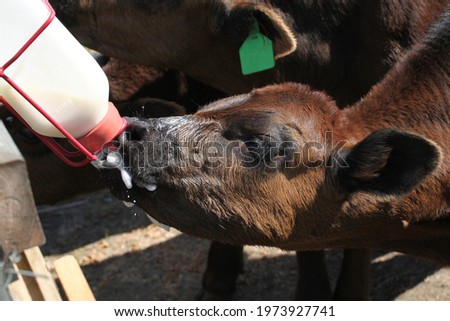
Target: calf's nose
136 131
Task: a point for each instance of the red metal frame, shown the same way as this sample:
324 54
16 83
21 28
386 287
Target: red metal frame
61 152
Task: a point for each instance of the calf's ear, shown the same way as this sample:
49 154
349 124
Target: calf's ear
272 23
388 161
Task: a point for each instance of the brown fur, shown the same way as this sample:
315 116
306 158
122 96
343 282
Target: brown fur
309 206
126 79
341 47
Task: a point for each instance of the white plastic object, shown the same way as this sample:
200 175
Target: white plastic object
56 71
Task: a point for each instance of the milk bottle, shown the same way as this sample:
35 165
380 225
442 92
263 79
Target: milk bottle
57 73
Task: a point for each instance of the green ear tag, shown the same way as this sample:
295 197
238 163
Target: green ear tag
256 52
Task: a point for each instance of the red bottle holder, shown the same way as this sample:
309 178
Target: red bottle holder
71 158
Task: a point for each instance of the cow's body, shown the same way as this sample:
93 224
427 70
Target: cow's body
342 47
282 181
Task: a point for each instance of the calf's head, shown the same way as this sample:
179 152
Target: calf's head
267 168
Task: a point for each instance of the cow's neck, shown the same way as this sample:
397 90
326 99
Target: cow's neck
413 97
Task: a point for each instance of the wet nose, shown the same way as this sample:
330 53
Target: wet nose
135 131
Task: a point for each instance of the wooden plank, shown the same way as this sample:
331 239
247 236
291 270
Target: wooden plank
30 282
72 279
20 227
18 289
42 287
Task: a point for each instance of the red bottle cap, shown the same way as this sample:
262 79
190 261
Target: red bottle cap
106 130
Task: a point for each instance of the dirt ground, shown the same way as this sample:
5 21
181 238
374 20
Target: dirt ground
124 257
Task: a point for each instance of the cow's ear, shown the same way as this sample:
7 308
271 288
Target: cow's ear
388 161
272 23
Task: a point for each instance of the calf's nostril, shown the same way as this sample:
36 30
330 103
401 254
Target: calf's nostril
133 133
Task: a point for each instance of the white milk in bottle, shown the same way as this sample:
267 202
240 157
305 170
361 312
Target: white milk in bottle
55 71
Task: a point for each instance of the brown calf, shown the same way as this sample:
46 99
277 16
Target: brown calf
283 166
340 47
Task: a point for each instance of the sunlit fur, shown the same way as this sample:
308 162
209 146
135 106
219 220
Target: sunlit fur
308 207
